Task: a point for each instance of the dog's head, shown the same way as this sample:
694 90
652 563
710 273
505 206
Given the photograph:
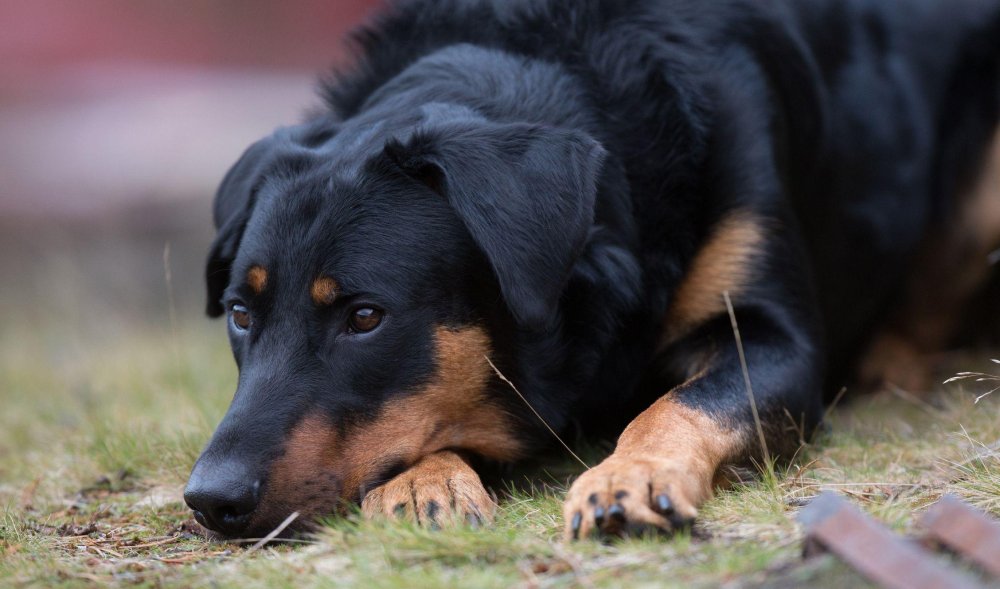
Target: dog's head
366 277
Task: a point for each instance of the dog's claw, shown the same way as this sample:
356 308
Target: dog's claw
575 524
631 496
440 491
431 512
680 523
617 513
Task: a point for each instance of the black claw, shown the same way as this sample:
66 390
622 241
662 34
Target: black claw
664 505
431 512
617 512
575 524
680 523
399 510
599 516
473 520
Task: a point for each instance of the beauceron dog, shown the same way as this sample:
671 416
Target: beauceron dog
569 190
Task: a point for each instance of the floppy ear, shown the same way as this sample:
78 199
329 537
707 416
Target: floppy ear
234 203
526 195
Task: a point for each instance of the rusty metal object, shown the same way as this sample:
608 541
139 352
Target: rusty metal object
966 530
872 549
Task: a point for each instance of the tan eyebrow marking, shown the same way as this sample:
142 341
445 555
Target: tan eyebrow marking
324 290
257 279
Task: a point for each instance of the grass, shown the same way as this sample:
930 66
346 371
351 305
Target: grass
100 433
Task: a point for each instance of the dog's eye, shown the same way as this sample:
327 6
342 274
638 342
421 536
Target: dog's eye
364 319
241 317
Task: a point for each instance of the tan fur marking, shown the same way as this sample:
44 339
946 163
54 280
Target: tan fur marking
452 411
304 477
257 279
321 468
324 291
669 450
951 268
982 214
671 429
724 263
895 359
440 489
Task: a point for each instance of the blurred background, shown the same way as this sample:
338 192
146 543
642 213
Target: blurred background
118 118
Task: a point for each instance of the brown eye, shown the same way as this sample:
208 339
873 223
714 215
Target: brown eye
365 319
241 317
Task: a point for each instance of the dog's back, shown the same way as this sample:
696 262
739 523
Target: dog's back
884 112
912 97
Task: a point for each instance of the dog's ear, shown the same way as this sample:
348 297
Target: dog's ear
236 198
234 201
526 195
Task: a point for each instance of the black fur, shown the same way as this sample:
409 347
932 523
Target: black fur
548 169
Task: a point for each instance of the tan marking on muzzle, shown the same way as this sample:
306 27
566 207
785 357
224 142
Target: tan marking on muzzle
453 411
303 478
321 468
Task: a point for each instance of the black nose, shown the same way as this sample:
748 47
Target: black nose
223 499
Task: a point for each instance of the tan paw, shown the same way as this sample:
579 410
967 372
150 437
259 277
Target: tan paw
626 495
439 491
893 360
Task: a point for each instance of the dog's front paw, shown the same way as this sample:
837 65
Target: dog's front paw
628 495
439 491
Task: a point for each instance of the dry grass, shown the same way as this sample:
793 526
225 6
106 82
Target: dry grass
100 437
108 394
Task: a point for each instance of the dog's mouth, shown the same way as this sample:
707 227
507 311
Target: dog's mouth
286 507
325 468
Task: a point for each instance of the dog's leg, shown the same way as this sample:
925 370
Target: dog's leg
667 460
954 265
438 491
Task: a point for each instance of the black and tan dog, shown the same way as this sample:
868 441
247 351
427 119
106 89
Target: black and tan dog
566 189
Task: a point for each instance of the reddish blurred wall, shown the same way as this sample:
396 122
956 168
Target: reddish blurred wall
112 103
40 37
